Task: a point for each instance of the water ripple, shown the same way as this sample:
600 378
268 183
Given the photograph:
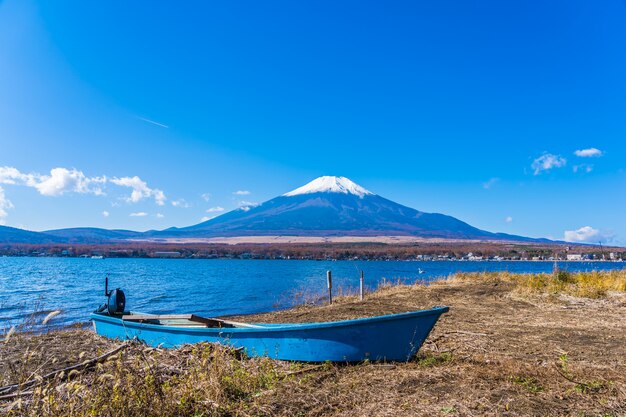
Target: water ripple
208 287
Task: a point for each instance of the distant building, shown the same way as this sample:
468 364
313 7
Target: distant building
167 254
574 257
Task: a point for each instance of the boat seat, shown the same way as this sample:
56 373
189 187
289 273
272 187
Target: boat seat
160 318
185 320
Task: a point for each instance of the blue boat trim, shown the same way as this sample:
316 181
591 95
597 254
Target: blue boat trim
390 337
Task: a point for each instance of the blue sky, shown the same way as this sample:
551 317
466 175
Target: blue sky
473 109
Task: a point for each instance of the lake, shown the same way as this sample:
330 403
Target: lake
210 287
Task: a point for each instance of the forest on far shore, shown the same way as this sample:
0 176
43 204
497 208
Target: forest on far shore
317 251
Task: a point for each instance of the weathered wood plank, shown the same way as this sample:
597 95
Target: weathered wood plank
139 317
209 322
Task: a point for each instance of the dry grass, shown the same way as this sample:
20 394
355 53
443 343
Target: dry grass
202 379
596 284
504 349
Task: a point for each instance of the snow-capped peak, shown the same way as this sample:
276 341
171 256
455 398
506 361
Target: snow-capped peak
328 184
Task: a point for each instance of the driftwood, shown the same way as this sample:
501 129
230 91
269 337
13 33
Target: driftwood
38 381
15 395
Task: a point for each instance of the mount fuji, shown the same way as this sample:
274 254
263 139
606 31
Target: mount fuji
325 207
334 206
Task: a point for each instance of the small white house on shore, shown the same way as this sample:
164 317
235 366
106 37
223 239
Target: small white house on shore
574 257
165 254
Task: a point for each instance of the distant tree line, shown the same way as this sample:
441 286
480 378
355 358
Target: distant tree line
364 251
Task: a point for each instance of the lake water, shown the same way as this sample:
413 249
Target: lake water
209 287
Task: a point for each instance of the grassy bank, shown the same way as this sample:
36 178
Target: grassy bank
512 345
596 284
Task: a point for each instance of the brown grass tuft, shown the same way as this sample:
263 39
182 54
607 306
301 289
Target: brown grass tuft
202 379
596 284
503 349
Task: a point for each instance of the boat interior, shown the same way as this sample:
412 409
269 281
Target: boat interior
184 320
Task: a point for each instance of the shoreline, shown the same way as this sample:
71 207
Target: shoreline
282 294
505 348
341 250
322 259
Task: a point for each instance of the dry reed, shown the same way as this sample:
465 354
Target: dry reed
493 354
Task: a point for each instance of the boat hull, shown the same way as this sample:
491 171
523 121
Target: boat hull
394 337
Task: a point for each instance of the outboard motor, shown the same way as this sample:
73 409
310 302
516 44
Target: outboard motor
116 300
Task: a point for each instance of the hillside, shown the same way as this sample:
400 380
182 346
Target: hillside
335 206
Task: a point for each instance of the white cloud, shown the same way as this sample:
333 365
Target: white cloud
206 196
138 214
582 168
62 180
5 204
159 216
242 192
181 203
140 190
12 176
247 205
105 213
587 234
546 162
588 153
59 182
216 209
492 181
508 219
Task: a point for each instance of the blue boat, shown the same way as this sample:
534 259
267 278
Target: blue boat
395 337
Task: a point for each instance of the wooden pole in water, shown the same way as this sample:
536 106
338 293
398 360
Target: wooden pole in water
329 281
361 293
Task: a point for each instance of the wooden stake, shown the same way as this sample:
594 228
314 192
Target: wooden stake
329 281
361 291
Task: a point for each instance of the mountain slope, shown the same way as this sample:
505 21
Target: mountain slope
14 235
92 235
327 206
334 206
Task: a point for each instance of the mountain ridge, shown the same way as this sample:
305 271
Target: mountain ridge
327 206
335 206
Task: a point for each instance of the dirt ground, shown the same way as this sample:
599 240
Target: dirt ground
495 353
